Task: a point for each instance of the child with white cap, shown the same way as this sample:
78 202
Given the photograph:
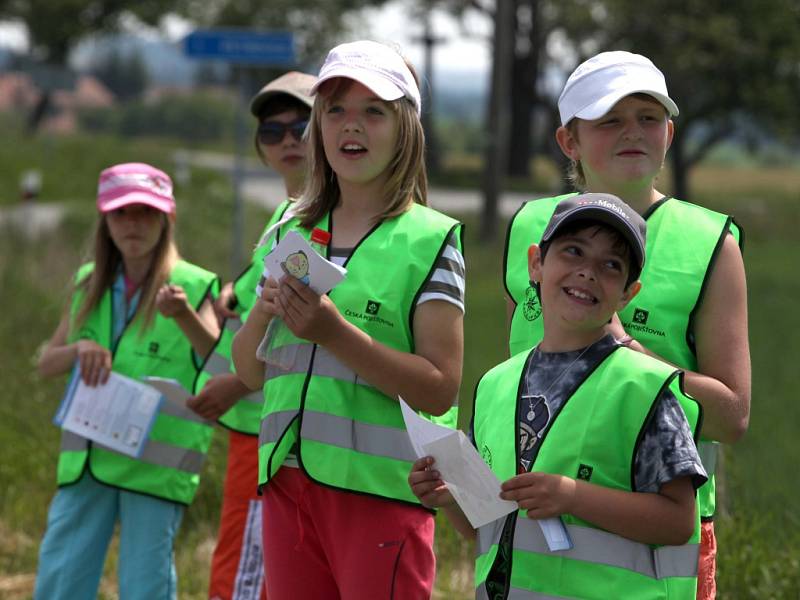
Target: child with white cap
339 518
616 127
281 109
138 309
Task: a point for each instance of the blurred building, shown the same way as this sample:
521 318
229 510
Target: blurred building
20 94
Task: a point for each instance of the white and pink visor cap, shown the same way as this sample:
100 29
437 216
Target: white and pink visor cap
373 65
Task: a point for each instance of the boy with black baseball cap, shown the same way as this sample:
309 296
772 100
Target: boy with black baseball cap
584 428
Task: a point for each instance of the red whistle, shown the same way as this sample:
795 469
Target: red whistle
320 236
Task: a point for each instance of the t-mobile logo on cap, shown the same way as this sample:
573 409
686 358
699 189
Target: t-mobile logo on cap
608 205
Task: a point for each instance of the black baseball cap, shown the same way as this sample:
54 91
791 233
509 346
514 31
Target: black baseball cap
606 209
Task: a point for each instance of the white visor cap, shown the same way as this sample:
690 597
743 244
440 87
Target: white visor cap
375 66
597 84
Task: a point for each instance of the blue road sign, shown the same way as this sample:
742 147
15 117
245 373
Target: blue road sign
242 46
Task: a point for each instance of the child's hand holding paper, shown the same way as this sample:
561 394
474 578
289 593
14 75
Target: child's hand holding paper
294 256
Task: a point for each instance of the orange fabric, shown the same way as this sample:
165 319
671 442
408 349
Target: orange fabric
707 568
237 566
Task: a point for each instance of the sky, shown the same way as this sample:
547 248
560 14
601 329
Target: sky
465 47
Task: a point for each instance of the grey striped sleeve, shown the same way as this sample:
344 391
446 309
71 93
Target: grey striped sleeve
447 281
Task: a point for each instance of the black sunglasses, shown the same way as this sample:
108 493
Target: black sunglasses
273 132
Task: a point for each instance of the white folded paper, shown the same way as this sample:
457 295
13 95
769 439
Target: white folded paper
295 256
117 415
175 395
472 483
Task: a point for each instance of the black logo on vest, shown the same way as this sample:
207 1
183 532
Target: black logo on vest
585 472
152 352
370 314
638 324
531 309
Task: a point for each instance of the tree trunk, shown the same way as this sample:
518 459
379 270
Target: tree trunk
432 151
523 93
38 112
680 171
497 119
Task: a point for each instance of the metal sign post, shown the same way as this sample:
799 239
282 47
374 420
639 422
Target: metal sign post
243 48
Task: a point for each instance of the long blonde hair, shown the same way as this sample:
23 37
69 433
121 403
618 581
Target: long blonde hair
408 179
107 261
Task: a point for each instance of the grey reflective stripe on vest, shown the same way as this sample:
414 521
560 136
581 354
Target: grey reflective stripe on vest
72 442
154 453
174 457
273 426
517 594
376 440
256 397
181 411
233 325
602 547
325 364
708 452
489 535
217 364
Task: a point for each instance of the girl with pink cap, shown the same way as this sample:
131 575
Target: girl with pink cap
139 310
339 518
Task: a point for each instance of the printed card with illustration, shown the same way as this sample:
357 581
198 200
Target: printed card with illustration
294 256
118 414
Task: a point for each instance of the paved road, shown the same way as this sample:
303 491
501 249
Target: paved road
263 187
32 219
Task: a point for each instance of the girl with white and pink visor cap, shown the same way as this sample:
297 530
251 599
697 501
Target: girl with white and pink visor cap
138 310
616 128
339 518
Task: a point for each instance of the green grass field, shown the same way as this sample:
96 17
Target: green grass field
759 530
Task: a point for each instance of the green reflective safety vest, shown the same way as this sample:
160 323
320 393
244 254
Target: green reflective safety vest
348 434
594 436
245 415
683 241
170 464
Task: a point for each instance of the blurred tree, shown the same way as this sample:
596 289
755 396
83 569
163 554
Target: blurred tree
54 27
422 12
498 118
124 74
535 24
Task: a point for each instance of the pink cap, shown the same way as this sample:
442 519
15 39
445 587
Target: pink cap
134 183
